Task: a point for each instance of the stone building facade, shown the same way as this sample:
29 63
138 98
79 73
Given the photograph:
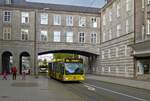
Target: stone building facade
28 29
115 38
117 32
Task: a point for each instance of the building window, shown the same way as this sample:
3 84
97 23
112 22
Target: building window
44 35
103 54
69 37
110 34
56 36
148 1
93 38
110 15
24 34
148 25
103 69
69 20
104 36
143 3
7 16
57 19
82 21
113 52
125 50
24 17
118 9
126 69
118 30
128 3
94 22
122 50
109 55
127 26
44 18
117 52
109 70
8 2
81 37
6 33
117 70
143 32
104 20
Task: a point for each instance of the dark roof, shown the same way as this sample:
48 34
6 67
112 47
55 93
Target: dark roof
53 7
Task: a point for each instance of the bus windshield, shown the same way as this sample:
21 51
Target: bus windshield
73 68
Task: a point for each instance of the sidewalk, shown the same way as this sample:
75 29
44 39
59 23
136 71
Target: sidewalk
121 81
33 89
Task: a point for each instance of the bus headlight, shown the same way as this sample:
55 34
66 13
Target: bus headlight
82 77
65 78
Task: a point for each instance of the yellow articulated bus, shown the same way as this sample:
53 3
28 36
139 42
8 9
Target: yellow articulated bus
67 69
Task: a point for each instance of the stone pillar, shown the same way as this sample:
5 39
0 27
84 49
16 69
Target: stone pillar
90 64
31 64
95 64
86 64
16 61
34 63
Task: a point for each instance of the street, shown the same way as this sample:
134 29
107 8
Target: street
92 90
46 89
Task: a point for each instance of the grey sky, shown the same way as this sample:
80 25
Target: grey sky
88 3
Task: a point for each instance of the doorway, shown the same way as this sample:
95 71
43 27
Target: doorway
7 62
24 62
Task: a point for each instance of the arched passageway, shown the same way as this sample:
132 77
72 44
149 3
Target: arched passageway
7 62
90 59
24 61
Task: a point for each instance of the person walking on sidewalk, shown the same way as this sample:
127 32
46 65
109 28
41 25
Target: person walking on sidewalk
14 72
24 74
5 75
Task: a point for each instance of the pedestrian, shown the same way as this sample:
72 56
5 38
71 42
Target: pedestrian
14 73
24 74
29 71
5 75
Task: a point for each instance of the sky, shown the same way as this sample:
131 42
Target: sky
87 3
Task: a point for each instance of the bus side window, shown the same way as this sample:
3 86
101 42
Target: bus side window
62 69
50 66
57 67
54 67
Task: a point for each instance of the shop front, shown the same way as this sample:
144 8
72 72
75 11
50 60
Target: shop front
141 55
143 66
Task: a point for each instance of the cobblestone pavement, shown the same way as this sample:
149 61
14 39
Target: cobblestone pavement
33 89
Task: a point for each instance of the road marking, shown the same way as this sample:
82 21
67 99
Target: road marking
90 88
89 85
